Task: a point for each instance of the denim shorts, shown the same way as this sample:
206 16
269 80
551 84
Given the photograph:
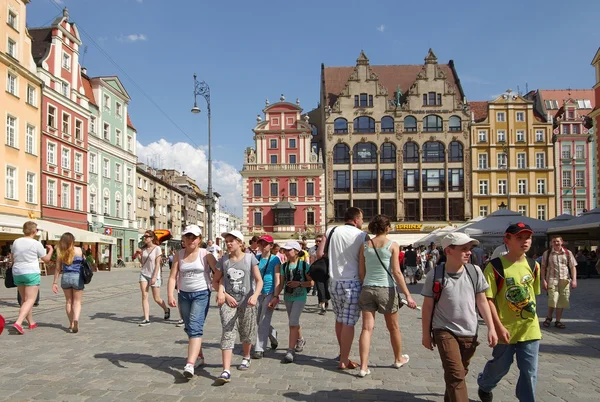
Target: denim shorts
194 309
72 280
148 279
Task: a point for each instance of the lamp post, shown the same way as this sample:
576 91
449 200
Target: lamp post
506 151
202 89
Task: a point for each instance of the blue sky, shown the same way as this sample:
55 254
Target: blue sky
248 51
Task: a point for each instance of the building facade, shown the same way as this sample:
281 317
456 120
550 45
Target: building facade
283 176
397 143
575 156
595 116
65 116
513 158
20 110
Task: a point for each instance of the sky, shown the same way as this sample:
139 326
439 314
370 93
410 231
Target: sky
249 51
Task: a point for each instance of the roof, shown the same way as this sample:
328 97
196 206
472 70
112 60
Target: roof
129 123
560 95
40 44
87 87
284 205
479 110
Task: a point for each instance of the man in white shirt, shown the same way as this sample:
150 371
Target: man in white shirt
214 249
344 283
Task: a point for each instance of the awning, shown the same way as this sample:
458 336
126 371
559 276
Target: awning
405 239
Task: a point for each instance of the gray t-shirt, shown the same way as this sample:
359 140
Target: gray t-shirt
237 277
455 310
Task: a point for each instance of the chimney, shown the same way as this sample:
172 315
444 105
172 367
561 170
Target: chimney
83 70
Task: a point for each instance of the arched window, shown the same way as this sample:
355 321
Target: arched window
411 152
340 125
433 151
364 124
341 153
365 153
387 124
387 153
410 123
433 123
455 152
314 130
455 123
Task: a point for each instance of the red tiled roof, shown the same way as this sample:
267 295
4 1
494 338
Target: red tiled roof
129 123
560 95
87 87
479 110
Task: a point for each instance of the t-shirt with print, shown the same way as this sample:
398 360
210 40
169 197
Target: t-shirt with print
149 261
515 303
266 266
290 272
26 254
237 277
455 310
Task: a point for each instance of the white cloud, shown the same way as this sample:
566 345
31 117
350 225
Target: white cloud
381 28
132 38
183 157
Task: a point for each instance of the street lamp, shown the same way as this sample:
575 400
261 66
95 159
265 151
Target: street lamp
506 150
202 89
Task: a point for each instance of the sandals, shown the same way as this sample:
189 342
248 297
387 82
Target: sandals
351 366
547 322
559 325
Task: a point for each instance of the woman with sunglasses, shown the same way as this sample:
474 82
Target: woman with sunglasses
150 278
191 271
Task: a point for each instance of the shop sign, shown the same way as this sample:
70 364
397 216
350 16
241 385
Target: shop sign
400 227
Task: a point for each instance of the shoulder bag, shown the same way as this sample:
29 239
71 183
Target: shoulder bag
319 270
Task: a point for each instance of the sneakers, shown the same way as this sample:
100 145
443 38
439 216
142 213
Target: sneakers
364 373
224 378
33 325
257 355
274 342
188 371
245 365
18 328
144 323
323 310
168 314
289 357
200 361
179 323
300 345
485 396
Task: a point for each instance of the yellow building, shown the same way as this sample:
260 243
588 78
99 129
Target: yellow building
513 158
20 100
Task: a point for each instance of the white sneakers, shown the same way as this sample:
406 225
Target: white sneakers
188 371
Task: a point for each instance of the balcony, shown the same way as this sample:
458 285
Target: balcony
285 166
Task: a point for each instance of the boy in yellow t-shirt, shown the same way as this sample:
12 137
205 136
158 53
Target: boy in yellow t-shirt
514 282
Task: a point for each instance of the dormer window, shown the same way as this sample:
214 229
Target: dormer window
570 114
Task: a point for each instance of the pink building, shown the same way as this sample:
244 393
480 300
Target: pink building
283 175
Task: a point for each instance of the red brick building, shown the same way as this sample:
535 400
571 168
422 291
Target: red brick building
283 175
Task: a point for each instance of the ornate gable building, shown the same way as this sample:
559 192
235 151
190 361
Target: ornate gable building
396 140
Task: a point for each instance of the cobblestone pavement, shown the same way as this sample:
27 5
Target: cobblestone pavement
112 358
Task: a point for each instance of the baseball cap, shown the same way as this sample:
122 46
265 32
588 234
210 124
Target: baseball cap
457 239
266 237
235 233
193 229
292 245
517 228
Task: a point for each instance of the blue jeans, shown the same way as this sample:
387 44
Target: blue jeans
194 309
502 358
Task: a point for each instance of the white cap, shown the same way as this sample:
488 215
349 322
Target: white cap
292 245
457 239
193 229
235 233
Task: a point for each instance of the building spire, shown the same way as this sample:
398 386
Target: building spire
362 58
66 13
431 58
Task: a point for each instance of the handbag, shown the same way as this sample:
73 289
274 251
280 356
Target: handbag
86 271
9 280
400 302
319 270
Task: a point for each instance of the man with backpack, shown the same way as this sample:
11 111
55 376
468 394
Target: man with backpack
558 276
453 292
514 282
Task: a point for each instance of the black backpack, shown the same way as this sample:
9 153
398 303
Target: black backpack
319 270
86 271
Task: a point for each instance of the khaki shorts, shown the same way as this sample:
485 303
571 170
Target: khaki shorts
380 299
558 294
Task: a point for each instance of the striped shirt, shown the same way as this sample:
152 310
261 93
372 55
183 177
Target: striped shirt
557 265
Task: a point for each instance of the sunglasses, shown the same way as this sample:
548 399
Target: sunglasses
146 236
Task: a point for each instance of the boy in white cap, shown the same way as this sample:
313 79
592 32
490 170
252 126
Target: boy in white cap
453 291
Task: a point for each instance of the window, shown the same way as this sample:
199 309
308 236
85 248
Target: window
434 209
539 136
275 121
364 124
118 137
117 172
540 160
51 153
78 129
551 104
434 180
433 151
567 207
129 177
274 189
363 100
521 160
432 99
580 178
145 185
257 190
273 144
66 61
106 131
11 131
119 109
293 189
78 198
273 158
456 180
520 116
522 186
51 193
388 208
66 158
356 102
570 114
566 152
12 19
11 84
411 180
310 189
31 95
579 152
92 168
364 181
31 186
482 136
292 143
410 123
387 153
106 168
500 117
502 187
107 103
310 217
412 210
341 181
566 178
129 143
92 124
65 89
483 210
483 187
293 159
11 183
118 208
388 181
566 129
315 130
365 153
575 128
455 123
482 161
369 208
520 136
66 124
522 209
65 199
106 205
433 123
129 211
387 124
411 152
340 125
78 161
502 159
541 186
501 136
12 48
580 204
455 152
456 209
258 218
